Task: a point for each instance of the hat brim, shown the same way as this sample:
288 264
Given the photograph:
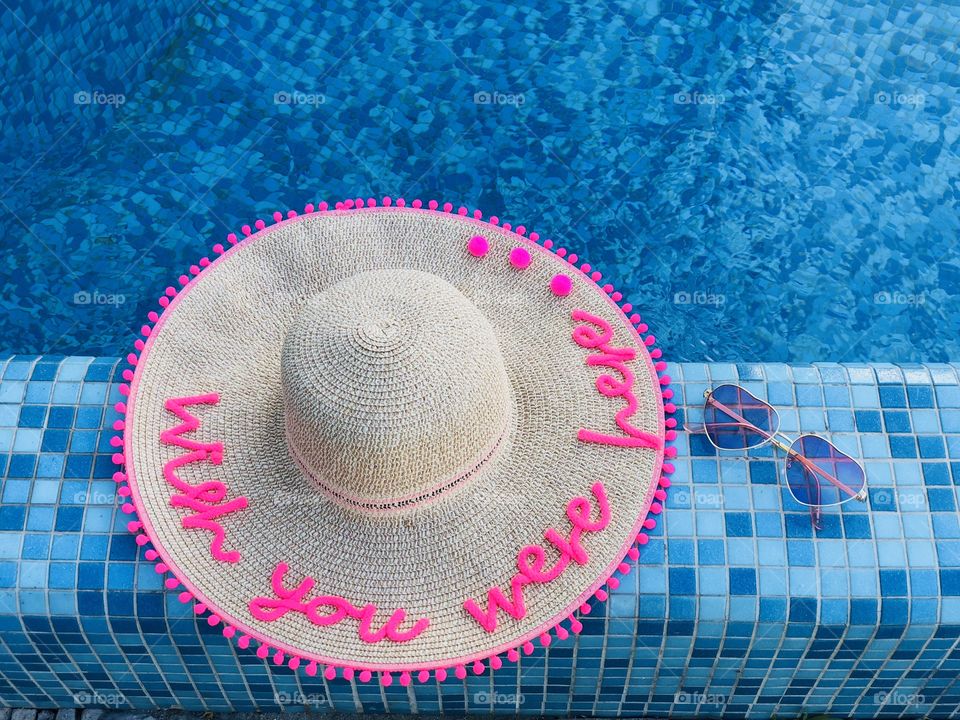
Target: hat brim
222 333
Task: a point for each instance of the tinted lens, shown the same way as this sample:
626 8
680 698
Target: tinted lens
822 475
736 420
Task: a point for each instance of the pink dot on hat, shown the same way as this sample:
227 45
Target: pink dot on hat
561 285
478 246
520 258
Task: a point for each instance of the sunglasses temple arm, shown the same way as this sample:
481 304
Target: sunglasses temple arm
810 466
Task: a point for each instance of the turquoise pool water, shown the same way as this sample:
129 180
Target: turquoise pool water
766 181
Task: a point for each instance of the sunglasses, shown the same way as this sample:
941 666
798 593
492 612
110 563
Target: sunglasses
818 473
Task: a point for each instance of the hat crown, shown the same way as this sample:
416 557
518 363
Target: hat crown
394 389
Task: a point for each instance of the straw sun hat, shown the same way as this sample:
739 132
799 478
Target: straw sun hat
394 439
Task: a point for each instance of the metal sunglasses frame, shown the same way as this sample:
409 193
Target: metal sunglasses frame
784 443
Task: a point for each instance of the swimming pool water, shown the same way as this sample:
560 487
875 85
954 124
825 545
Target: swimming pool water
774 182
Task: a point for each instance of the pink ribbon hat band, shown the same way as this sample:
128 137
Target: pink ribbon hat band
394 439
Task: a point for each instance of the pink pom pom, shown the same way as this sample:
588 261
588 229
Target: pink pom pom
576 627
496 663
545 639
244 642
527 647
291 214
462 211
423 676
323 206
478 246
643 538
521 230
401 202
116 441
561 252
127 508
404 679
311 668
432 204
601 595
613 583
633 553
278 657
386 679
365 676
173 584
548 243
185 597
387 201
440 674
477 215
164 301
246 230
277 217
232 239
308 208
259 224
294 662
520 258
562 633
656 352
534 237
183 279
660 495
507 226
213 620
418 203
513 655
118 425
141 540
348 673
199 608
649 523
624 568
656 508
670 452
460 672
123 491
494 220
330 673
478 668
263 651
668 468
118 457
616 296
447 207
561 285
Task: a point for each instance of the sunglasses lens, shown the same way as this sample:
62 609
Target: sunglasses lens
736 420
824 475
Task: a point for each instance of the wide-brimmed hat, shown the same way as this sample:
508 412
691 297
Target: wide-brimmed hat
395 439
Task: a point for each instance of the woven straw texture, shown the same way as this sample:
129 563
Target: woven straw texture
492 344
